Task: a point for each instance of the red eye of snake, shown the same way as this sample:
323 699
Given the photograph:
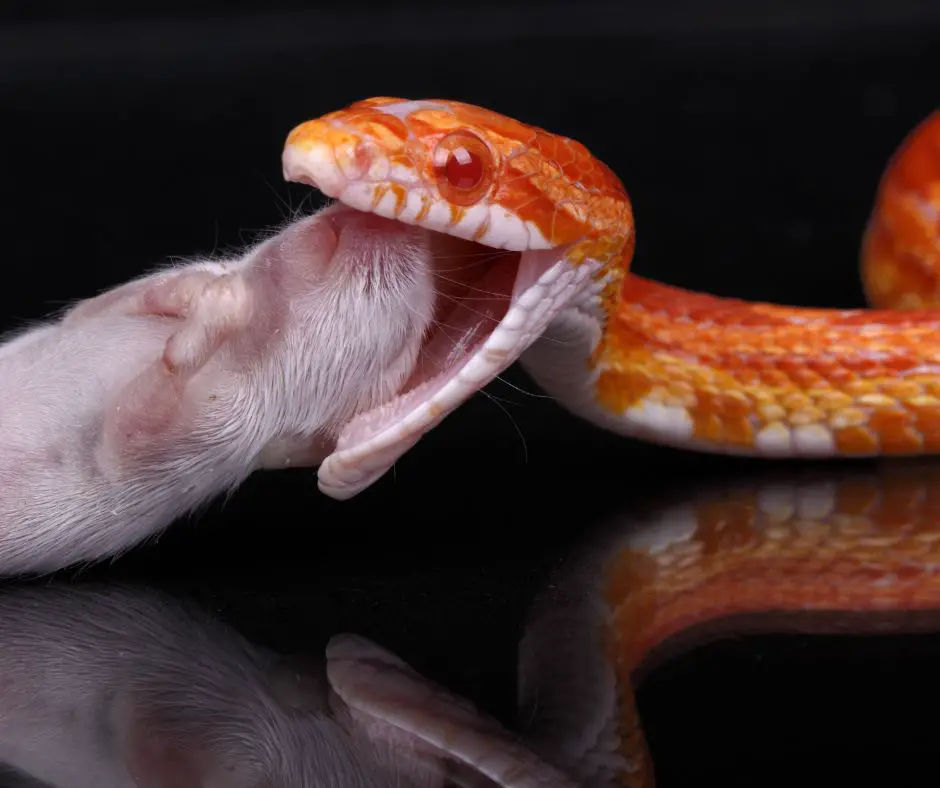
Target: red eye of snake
464 168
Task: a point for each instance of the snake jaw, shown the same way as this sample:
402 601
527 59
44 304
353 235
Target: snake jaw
371 158
529 288
373 441
360 176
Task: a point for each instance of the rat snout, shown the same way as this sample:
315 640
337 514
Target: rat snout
363 234
339 240
384 256
315 236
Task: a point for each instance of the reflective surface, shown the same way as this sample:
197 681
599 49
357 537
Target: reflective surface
699 635
823 552
120 686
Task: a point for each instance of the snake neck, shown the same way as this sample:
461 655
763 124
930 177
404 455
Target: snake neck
727 376
718 375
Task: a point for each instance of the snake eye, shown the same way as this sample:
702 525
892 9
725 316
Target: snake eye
463 166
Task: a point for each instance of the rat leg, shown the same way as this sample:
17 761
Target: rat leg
163 293
214 310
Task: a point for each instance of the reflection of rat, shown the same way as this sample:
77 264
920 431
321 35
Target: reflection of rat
114 687
149 400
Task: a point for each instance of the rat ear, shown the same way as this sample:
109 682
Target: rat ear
382 688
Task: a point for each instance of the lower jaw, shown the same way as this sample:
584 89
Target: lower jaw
503 302
474 286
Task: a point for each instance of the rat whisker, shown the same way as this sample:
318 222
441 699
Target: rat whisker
533 394
515 424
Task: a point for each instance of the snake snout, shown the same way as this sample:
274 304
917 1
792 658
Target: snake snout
332 166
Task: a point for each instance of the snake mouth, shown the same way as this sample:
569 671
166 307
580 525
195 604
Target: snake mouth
473 287
468 343
491 304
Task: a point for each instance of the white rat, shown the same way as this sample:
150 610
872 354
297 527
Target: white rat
139 405
122 687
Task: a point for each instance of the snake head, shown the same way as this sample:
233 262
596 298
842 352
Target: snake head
538 218
459 169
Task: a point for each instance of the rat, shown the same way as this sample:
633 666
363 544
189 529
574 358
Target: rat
139 405
124 686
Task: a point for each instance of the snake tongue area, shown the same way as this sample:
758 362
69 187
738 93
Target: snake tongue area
474 284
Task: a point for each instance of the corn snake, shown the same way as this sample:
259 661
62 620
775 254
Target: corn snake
630 355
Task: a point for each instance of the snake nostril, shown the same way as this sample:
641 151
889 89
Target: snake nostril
361 160
363 157
306 180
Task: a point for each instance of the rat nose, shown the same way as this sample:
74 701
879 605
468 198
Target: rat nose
344 220
367 240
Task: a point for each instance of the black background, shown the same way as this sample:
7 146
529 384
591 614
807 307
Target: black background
751 137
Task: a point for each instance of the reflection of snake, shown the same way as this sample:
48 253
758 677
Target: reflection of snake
825 552
631 355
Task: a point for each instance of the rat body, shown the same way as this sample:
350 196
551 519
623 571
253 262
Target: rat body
118 686
137 406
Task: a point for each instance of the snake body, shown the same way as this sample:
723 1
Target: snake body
633 356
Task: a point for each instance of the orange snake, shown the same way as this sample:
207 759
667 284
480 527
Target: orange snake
840 551
633 356
672 366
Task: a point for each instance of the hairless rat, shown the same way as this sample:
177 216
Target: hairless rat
137 406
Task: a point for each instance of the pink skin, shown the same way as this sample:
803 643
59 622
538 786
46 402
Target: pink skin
150 400
117 687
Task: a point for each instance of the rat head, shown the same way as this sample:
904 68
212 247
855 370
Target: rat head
521 222
351 298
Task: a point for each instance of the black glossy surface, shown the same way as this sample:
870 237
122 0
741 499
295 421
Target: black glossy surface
751 150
